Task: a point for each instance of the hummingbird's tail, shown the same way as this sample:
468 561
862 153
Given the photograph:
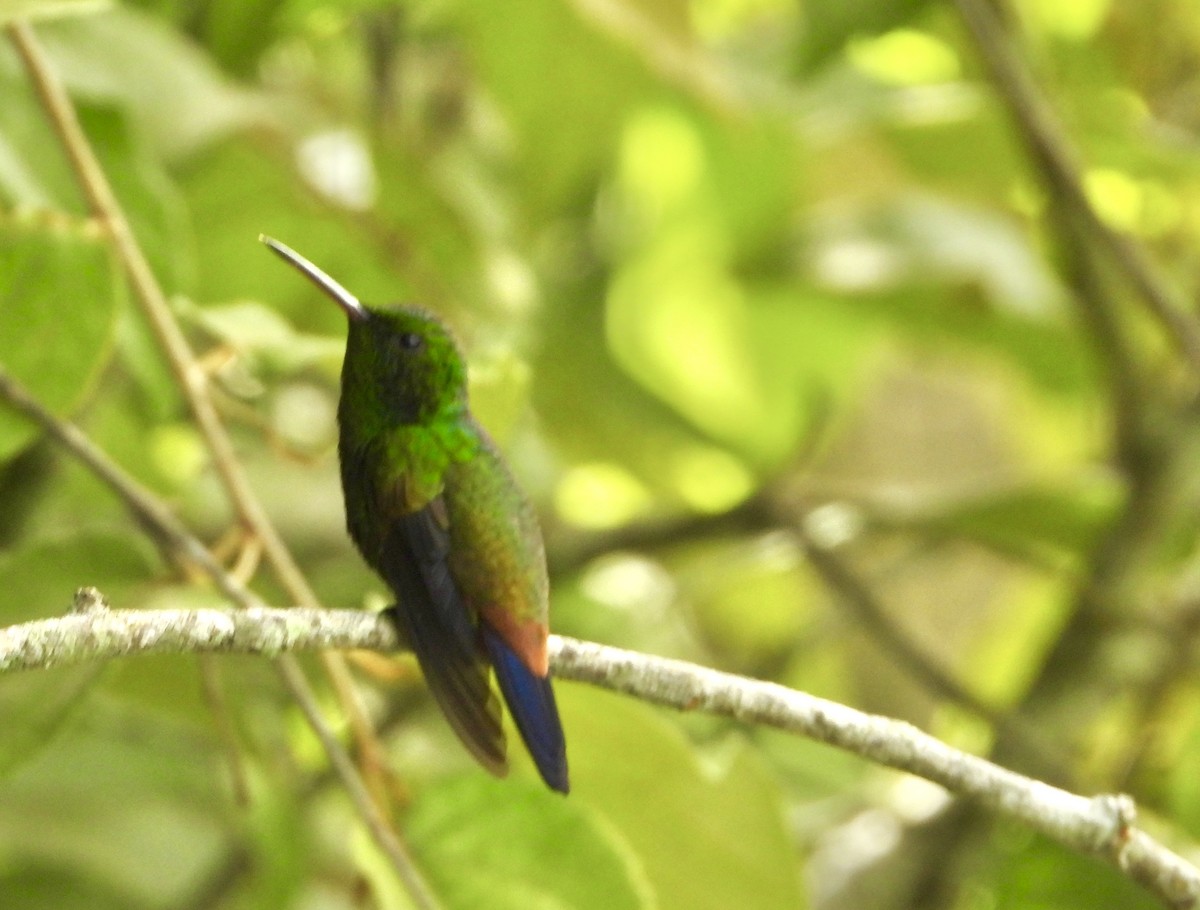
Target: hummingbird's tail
530 698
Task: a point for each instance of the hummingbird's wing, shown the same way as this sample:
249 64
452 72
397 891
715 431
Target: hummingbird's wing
434 620
425 534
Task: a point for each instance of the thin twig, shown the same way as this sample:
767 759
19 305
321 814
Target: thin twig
1101 316
187 370
871 615
189 373
1101 825
1047 144
172 536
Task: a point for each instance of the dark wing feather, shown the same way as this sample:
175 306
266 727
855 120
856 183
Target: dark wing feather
424 535
432 617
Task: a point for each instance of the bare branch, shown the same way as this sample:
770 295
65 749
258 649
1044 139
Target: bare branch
1101 825
862 603
82 637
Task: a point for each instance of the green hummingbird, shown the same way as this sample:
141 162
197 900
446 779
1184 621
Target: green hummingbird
434 510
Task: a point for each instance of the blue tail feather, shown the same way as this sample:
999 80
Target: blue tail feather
530 699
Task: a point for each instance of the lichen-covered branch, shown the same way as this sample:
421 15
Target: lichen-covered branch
92 633
1101 825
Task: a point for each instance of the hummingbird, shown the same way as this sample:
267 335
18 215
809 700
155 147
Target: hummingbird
434 510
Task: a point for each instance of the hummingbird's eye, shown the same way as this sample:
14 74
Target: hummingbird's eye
411 341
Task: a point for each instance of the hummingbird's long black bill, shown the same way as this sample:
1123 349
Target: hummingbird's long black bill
347 301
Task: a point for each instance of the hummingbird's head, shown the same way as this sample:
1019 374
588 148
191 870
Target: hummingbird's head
402 364
406 361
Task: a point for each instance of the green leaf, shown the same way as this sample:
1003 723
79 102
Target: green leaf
829 24
752 602
242 189
1031 873
237 32
39 885
709 835
261 332
58 306
513 844
1175 770
33 172
116 807
35 175
36 706
565 126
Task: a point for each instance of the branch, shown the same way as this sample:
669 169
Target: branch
189 374
92 632
1101 825
765 511
1047 144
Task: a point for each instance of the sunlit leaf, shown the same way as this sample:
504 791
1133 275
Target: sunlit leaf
264 334
169 88
830 23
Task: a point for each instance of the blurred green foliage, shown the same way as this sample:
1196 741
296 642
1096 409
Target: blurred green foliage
736 278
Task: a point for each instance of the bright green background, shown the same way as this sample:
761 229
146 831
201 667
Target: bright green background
722 268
